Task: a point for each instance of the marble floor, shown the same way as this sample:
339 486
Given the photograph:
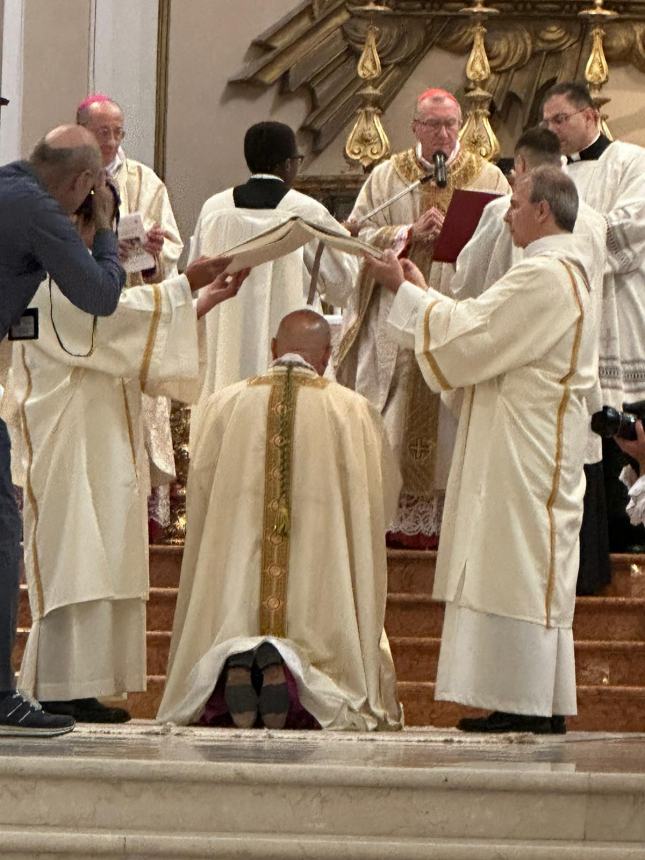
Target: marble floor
420 749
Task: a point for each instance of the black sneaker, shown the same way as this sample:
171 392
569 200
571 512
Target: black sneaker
20 715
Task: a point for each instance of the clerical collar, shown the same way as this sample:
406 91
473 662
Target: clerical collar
265 176
113 167
556 242
591 152
427 165
292 359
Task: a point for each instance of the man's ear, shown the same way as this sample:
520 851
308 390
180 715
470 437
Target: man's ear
544 211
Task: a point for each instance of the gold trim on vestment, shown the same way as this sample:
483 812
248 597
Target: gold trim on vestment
427 353
366 284
40 599
152 336
278 471
555 484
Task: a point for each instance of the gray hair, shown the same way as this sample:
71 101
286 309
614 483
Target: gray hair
65 160
557 189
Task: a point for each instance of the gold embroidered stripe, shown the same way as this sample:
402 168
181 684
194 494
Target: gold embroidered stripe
40 600
427 354
277 493
152 336
555 484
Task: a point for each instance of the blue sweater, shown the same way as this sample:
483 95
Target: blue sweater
37 237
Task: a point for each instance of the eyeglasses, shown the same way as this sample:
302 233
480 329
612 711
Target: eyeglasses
105 133
559 119
299 158
437 124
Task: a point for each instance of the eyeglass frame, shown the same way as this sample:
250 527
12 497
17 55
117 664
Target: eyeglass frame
437 124
559 119
105 133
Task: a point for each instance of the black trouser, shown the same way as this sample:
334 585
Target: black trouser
10 530
595 567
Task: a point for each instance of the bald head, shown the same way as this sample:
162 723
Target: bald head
68 162
307 334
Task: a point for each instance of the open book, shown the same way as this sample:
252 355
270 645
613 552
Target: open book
461 221
289 236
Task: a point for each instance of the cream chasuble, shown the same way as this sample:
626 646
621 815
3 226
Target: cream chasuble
86 480
613 185
141 190
291 486
240 331
421 431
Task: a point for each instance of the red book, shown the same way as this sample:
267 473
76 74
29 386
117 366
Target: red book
461 221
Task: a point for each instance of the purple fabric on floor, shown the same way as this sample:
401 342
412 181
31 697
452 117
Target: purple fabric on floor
216 715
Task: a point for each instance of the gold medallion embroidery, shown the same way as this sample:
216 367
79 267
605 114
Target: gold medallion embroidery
278 467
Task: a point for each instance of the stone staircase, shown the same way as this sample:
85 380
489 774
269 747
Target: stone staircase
609 632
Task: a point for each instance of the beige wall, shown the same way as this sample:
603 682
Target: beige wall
207 119
55 64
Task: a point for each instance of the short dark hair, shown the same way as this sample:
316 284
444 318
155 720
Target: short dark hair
553 185
65 159
539 146
576 92
268 144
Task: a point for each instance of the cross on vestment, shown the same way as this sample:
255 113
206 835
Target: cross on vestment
420 448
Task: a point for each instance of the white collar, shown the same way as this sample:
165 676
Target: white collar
291 359
575 156
547 244
266 176
113 167
429 167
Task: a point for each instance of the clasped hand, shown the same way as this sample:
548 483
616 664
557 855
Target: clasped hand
428 226
390 271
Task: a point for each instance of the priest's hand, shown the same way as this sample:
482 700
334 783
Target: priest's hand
428 226
353 226
387 271
222 288
413 274
635 448
204 270
154 240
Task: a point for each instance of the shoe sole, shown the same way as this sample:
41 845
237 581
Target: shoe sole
16 731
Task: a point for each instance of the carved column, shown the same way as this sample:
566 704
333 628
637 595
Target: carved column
597 70
477 134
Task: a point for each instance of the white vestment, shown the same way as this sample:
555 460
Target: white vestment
86 480
240 331
508 558
288 448
141 190
614 186
420 429
491 253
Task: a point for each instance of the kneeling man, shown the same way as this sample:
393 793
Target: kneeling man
525 353
279 619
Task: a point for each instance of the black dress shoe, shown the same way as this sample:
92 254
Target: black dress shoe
499 722
88 711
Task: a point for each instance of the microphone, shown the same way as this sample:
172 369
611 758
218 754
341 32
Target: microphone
440 175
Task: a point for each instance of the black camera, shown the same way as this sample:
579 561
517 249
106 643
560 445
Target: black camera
611 422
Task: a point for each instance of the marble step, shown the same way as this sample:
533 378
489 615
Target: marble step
608 663
600 708
412 571
51 844
605 618
250 787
